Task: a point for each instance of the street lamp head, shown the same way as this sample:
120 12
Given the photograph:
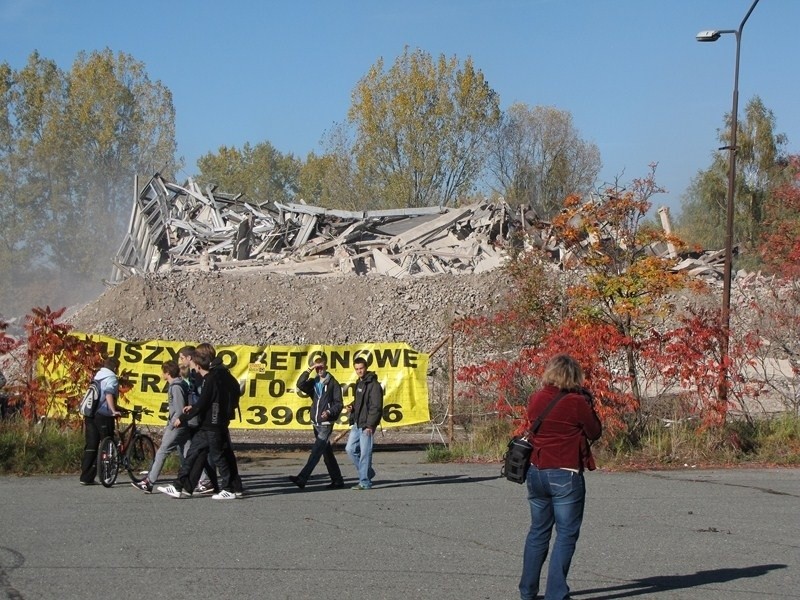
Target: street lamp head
711 35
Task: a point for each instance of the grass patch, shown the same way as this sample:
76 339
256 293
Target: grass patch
487 443
49 447
769 442
45 448
54 447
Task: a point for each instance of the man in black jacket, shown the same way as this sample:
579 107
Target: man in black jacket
212 438
365 415
326 406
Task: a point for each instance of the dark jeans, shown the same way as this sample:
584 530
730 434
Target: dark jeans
206 444
203 464
236 481
95 429
322 449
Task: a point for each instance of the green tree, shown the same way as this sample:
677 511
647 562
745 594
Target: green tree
33 178
117 124
538 158
313 183
760 167
260 172
70 146
331 180
420 129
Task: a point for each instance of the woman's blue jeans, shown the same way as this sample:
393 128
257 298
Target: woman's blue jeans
556 497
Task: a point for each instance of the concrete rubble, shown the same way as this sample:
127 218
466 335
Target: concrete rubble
182 227
175 227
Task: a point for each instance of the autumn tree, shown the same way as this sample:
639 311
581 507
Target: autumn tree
70 146
760 168
625 284
420 129
613 305
775 315
260 172
538 158
780 245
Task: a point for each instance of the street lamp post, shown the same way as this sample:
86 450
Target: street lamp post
725 315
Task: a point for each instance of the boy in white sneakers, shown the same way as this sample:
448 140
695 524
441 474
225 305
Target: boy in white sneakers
174 438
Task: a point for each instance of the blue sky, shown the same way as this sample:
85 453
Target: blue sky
630 71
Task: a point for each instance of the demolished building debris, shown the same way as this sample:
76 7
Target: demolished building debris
180 227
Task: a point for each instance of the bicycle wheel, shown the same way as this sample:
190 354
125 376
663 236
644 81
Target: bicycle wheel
107 462
140 455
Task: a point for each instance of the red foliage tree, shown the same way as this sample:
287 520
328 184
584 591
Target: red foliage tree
780 248
617 316
58 366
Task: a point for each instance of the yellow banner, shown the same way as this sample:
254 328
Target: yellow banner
269 374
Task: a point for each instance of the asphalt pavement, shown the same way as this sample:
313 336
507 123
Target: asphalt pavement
425 531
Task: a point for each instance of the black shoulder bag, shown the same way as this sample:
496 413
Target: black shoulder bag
517 458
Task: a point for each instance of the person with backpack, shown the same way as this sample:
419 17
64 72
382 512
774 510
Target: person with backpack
174 438
102 423
212 437
365 415
326 406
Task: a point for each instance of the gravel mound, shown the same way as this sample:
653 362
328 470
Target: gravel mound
257 308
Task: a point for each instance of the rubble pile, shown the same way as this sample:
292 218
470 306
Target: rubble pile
207 266
181 227
175 227
204 266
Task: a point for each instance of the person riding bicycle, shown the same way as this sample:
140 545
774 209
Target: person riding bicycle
103 423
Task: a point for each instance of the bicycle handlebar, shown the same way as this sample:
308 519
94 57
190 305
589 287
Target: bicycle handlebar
136 412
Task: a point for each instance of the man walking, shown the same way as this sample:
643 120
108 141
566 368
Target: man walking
365 415
326 406
173 438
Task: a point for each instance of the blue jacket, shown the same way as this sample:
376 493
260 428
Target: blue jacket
109 384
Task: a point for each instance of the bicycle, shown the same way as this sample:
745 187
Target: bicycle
129 449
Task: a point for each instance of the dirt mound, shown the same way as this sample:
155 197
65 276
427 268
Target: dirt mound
256 308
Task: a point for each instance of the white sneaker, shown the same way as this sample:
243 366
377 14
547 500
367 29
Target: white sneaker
204 487
170 490
224 495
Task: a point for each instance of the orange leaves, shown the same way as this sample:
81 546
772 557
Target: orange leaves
612 309
780 248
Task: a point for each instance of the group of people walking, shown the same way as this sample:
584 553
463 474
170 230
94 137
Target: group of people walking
364 415
202 398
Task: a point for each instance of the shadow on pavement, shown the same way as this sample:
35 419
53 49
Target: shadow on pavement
668 583
259 485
